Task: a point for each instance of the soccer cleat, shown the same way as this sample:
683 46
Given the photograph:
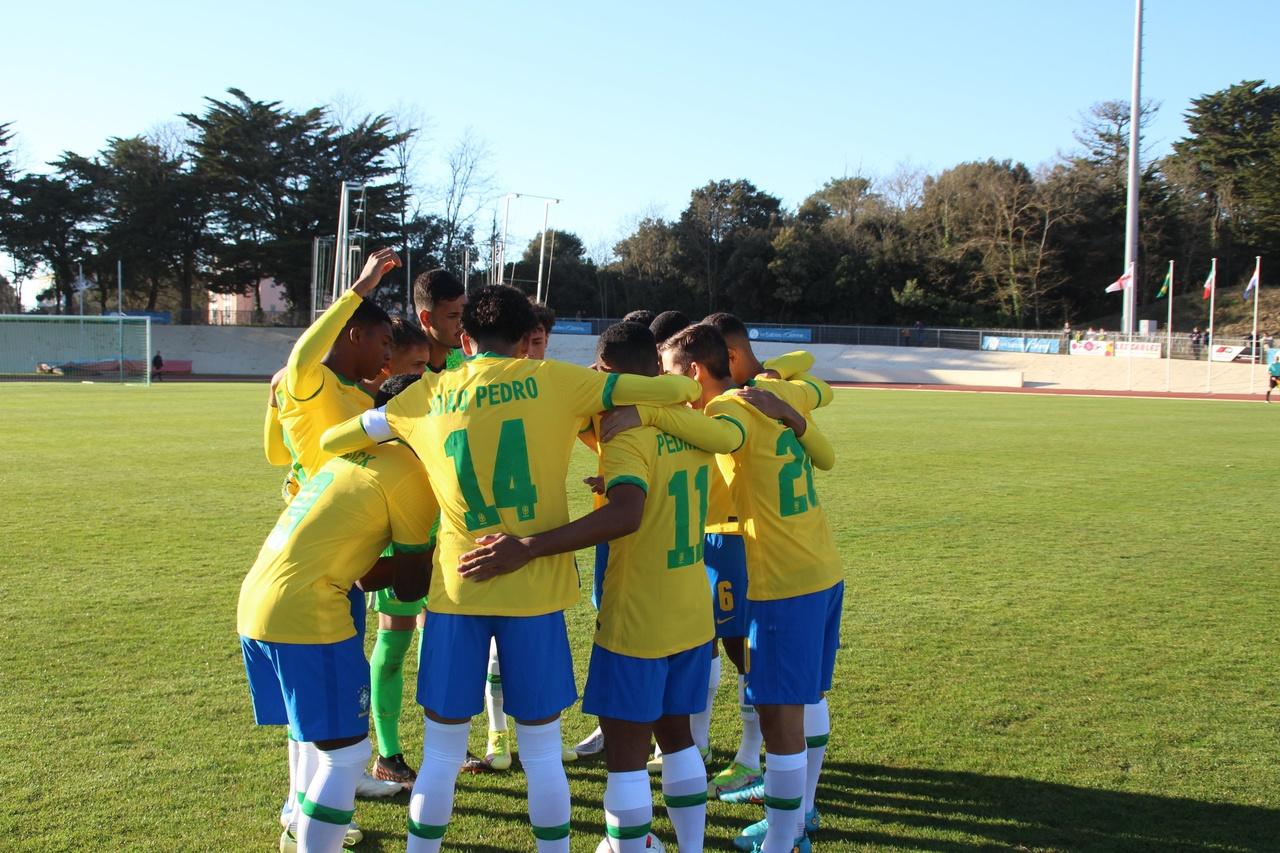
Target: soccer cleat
753 835
289 838
733 778
394 769
498 752
374 789
800 845
592 744
753 794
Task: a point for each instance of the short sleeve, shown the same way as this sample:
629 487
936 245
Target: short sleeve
625 460
413 511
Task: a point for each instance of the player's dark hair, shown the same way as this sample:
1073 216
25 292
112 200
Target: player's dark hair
406 334
368 314
433 286
498 312
394 386
667 324
627 348
726 324
643 316
702 344
546 317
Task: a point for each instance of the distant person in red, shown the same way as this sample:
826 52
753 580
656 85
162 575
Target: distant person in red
157 366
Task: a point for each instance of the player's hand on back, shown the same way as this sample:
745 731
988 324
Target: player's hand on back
381 262
497 554
772 407
619 420
595 484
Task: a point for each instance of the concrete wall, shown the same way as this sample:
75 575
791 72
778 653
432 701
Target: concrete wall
256 352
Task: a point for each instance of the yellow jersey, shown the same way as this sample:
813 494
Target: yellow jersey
311 398
790 548
496 434
657 601
327 538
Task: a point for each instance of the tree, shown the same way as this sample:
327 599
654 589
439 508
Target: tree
50 227
467 187
1230 162
718 213
274 176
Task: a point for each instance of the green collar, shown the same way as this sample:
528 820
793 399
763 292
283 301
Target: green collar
491 355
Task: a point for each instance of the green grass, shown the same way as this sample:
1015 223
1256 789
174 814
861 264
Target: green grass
1060 630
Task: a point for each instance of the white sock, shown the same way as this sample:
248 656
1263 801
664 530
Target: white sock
542 759
817 729
493 692
628 811
431 802
700 723
784 778
684 789
291 800
331 798
749 748
308 764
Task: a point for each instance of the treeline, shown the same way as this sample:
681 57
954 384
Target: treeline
241 195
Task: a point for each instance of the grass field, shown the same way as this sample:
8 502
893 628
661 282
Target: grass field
1060 630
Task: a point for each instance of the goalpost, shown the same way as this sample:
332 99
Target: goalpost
60 347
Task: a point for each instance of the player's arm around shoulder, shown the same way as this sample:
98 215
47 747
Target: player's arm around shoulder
411 511
712 434
789 364
777 408
399 418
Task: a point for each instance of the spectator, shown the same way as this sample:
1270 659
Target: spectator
1196 340
917 333
157 366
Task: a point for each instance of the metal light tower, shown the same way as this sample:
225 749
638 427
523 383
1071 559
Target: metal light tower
1131 222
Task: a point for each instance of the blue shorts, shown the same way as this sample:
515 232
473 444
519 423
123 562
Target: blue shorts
533 654
791 647
320 691
602 562
726 558
641 690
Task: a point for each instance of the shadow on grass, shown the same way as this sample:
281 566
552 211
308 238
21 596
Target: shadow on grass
921 808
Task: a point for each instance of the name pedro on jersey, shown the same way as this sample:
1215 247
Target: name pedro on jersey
495 394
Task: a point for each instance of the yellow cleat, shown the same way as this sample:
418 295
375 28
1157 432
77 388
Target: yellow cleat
498 752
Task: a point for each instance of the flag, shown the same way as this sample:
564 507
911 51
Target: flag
1253 283
1208 283
1164 288
1122 282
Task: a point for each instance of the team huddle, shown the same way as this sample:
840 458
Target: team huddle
427 468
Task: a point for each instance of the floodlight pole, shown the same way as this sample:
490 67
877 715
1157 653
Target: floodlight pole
502 248
546 214
1131 222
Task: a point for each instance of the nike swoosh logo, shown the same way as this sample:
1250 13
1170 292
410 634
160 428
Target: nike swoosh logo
724 620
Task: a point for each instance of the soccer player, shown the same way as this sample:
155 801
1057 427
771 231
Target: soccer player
1273 373
726 561
438 297
796 589
474 428
667 324
542 334
652 650
397 620
303 654
321 386
643 316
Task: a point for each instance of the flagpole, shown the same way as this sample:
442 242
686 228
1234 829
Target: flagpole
1168 336
1257 291
1213 293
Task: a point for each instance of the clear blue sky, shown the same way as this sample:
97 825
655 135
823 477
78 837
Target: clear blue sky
622 109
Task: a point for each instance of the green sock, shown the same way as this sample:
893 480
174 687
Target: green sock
386 672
